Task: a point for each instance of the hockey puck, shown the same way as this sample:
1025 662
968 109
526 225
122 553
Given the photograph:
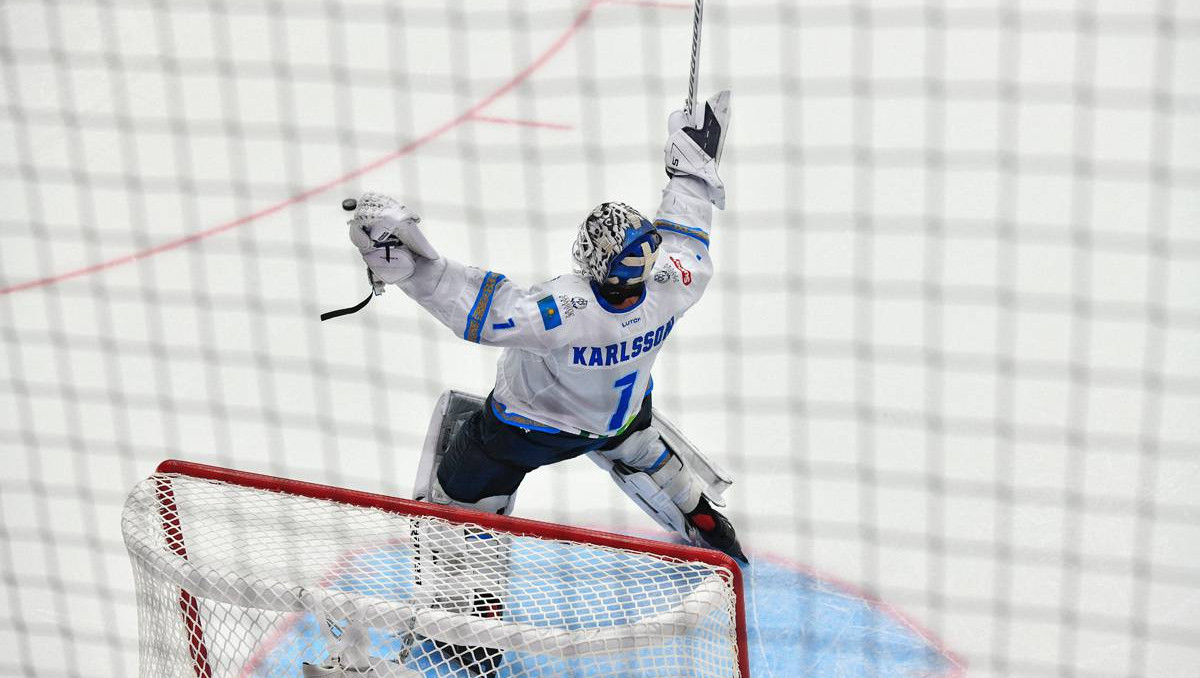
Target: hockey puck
349 204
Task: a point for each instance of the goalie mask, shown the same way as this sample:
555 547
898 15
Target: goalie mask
615 249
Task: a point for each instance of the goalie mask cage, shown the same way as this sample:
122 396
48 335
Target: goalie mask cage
240 574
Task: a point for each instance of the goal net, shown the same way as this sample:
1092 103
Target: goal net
950 354
248 575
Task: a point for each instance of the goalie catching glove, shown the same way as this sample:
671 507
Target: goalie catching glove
695 144
388 235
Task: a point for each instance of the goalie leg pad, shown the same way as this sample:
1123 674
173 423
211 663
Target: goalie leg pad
460 568
501 503
654 477
455 421
323 671
463 569
714 479
645 452
642 489
674 484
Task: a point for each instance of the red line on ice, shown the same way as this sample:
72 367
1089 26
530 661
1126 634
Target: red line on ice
408 148
653 3
521 123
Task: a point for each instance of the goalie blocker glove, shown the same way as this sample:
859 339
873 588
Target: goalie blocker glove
695 144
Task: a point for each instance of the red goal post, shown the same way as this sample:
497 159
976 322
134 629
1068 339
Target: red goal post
230 564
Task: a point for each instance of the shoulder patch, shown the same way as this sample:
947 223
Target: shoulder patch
666 275
551 315
684 273
568 305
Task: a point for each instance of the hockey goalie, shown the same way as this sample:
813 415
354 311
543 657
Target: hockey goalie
574 377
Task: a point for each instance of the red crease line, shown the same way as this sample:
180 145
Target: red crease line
470 113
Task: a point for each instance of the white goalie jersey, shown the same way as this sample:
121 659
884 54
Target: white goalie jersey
572 362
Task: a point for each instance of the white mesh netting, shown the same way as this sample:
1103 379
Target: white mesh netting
950 355
238 581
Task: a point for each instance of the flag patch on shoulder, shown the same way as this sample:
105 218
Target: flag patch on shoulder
551 316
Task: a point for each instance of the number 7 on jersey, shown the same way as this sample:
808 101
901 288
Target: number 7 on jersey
625 383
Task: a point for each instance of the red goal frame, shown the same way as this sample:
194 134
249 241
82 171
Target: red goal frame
190 611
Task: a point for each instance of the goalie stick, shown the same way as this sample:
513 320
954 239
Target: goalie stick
694 76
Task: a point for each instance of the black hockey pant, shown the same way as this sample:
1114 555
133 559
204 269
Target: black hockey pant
488 457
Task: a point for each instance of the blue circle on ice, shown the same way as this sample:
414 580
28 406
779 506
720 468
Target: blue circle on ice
803 624
799 623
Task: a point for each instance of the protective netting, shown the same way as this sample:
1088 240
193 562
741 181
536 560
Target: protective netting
950 353
237 581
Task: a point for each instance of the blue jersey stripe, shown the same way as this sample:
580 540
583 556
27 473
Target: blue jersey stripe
696 233
477 316
517 420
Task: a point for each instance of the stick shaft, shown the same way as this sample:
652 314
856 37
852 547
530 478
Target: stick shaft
697 22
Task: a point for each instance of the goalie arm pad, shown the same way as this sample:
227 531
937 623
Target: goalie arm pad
684 266
483 307
685 213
